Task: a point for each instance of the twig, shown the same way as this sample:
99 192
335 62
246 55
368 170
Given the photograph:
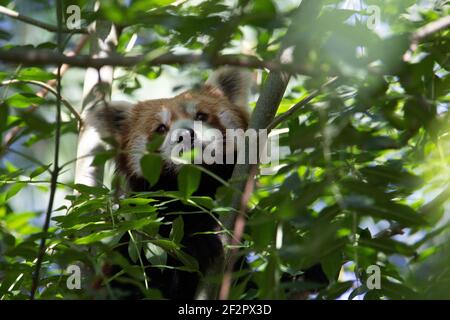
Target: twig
15 131
239 226
263 114
49 89
80 45
49 27
48 57
268 103
55 171
282 117
29 158
393 230
431 28
424 32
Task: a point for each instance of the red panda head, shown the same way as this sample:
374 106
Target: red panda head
220 104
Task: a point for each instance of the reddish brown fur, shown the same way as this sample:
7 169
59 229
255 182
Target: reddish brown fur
145 116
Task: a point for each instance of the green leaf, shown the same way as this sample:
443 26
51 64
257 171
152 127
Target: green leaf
145 5
136 201
188 180
101 157
385 210
386 174
4 113
19 220
151 165
139 224
36 74
134 248
95 237
26 250
13 190
388 246
177 232
337 289
88 190
205 202
397 290
24 100
167 245
331 265
357 292
189 261
37 123
38 171
155 254
156 142
146 209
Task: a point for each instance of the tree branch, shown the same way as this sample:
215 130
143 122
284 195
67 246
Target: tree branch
266 107
238 232
430 29
424 32
49 27
298 105
263 114
56 168
49 88
48 57
97 88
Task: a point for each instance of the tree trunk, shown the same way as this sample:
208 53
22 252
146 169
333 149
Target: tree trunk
97 89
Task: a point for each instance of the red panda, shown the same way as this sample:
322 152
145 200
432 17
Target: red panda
221 103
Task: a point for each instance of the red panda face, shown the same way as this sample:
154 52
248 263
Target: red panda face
197 118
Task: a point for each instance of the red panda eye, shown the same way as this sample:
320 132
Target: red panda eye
162 128
201 116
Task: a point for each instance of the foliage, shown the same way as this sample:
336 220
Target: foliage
364 180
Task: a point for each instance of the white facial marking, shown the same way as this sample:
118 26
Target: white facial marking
165 116
137 150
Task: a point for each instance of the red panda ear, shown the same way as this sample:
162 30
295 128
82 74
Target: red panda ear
109 118
232 82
